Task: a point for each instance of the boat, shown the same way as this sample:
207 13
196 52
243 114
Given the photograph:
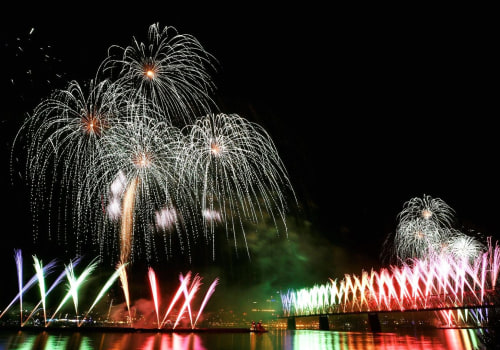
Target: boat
257 328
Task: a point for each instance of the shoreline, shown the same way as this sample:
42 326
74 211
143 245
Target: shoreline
126 329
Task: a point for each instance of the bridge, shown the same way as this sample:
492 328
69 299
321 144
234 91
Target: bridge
459 289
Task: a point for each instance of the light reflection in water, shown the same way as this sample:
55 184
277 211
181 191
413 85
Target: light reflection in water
172 341
457 339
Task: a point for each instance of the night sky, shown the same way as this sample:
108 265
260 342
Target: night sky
368 109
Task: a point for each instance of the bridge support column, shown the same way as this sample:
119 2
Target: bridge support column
290 323
323 323
374 322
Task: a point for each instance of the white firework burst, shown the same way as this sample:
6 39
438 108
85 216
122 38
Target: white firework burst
464 247
170 70
418 238
425 230
142 150
427 208
236 171
146 152
64 140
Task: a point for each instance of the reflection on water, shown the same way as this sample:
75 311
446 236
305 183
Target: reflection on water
108 341
456 339
443 339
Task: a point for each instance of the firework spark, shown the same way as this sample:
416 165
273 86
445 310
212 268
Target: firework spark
33 65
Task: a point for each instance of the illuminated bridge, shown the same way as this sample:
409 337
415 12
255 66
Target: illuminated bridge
459 289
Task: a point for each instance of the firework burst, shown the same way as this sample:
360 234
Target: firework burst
118 168
64 137
425 230
236 172
170 70
418 239
427 208
146 153
463 246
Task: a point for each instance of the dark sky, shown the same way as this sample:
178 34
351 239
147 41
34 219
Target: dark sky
368 108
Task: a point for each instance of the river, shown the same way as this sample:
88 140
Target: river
432 339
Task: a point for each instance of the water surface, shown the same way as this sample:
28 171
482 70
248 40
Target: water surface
456 339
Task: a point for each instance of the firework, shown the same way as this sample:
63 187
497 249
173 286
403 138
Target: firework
236 172
425 228
210 291
54 284
41 284
170 70
188 295
463 246
22 289
19 263
418 239
118 167
184 282
154 292
188 288
146 153
429 209
126 294
74 283
440 281
64 141
105 288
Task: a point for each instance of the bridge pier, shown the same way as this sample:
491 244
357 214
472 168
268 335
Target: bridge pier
323 323
290 323
374 322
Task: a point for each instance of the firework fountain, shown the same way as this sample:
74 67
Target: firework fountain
23 288
41 280
188 289
19 264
